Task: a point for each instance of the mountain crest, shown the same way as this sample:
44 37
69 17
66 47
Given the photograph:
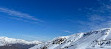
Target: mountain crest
6 41
89 40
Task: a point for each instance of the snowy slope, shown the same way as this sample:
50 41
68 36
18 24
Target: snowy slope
99 39
6 41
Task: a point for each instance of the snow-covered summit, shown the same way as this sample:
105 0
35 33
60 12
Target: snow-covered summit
6 40
90 40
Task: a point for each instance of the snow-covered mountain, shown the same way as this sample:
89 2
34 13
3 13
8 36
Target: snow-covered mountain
99 39
7 41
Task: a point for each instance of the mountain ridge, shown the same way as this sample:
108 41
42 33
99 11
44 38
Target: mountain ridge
90 40
6 41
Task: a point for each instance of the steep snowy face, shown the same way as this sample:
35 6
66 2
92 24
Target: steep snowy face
90 40
6 41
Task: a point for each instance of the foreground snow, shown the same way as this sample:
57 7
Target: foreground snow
99 39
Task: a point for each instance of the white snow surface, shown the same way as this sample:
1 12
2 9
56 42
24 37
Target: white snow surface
99 39
6 41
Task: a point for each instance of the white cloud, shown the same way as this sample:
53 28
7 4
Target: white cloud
98 17
68 31
19 15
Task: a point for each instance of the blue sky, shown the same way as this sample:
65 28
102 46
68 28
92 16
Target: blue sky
45 19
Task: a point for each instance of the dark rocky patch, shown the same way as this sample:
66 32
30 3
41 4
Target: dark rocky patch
16 46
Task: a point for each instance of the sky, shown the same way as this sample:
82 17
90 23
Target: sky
46 19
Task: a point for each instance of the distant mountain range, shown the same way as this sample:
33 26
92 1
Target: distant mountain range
11 43
99 39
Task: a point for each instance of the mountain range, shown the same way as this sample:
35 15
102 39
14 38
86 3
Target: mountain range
12 43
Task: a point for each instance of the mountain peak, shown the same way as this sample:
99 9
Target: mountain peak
89 40
6 41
